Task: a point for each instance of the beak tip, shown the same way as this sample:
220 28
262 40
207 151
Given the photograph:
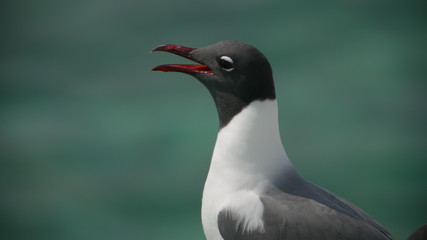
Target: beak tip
180 51
159 48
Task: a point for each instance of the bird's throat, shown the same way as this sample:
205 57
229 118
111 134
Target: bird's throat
251 139
228 106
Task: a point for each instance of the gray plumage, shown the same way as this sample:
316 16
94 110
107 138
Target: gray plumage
289 216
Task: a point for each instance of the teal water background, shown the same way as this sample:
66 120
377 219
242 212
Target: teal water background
96 146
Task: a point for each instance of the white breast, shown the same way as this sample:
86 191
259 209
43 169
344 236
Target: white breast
247 151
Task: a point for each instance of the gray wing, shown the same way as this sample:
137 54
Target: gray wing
291 217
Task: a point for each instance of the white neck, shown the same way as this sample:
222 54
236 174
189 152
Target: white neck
251 142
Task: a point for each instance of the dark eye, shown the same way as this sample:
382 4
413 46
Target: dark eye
226 63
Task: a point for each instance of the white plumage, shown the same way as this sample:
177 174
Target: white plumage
247 150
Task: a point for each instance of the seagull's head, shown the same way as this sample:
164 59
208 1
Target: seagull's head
235 73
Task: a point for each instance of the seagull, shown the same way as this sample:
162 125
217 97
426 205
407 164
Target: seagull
252 190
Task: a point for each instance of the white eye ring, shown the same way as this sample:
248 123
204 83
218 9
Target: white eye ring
226 63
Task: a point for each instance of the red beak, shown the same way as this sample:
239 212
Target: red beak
184 68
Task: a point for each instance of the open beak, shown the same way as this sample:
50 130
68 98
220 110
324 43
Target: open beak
184 68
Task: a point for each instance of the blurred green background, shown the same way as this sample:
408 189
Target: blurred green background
96 146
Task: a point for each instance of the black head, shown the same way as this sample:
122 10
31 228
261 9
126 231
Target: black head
235 74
